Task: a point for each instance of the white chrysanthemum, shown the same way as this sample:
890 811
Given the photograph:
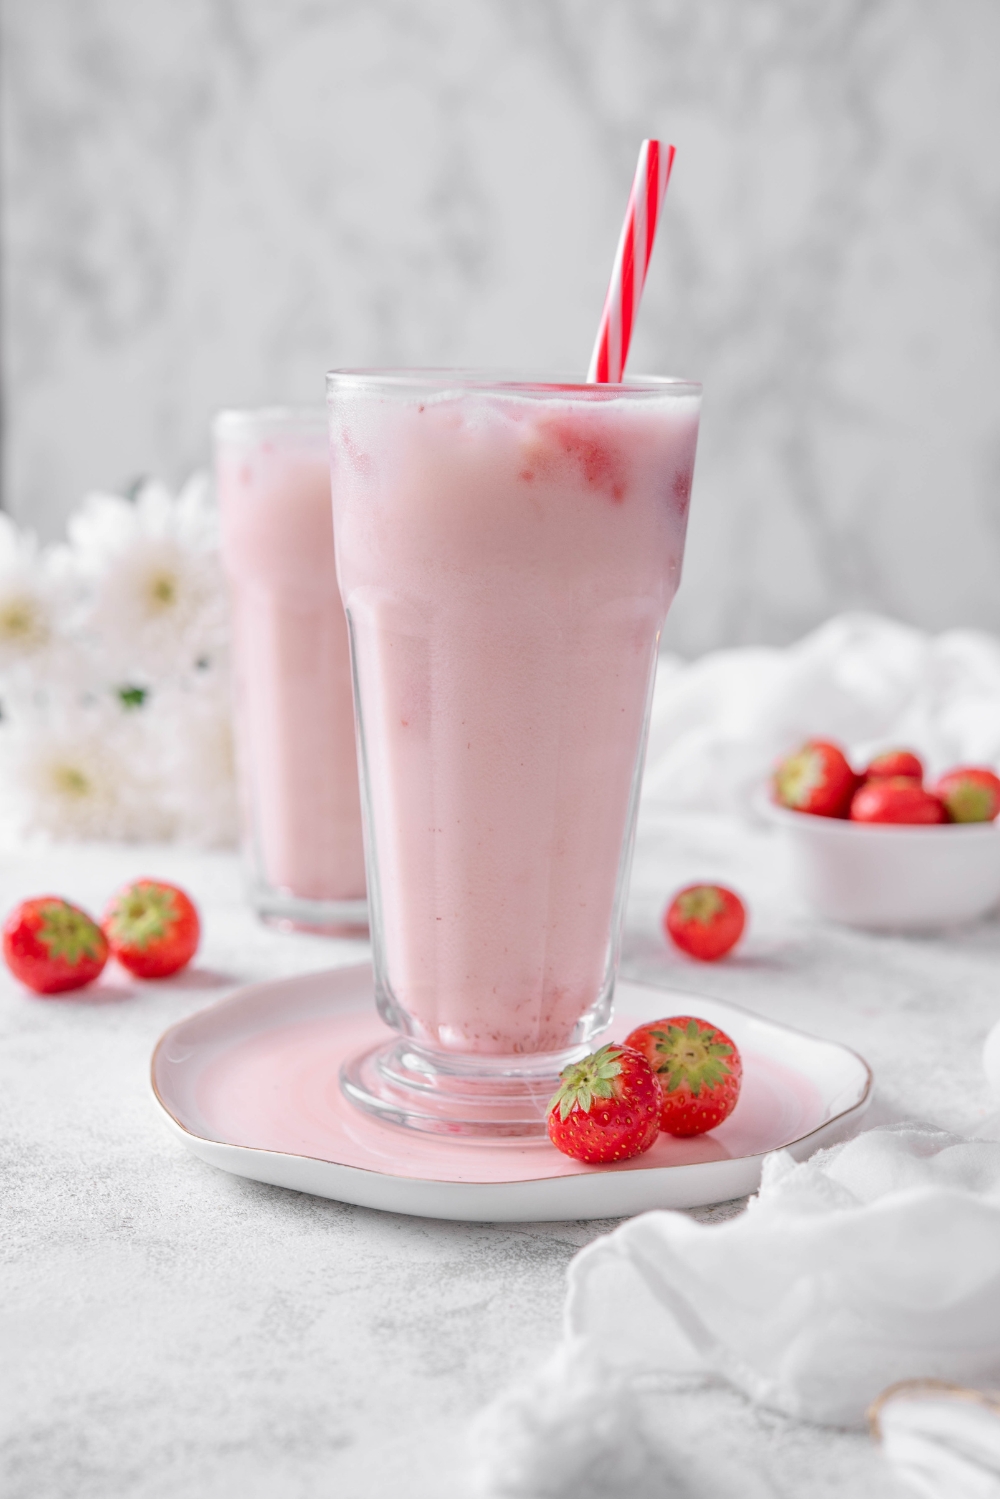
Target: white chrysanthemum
158 600
37 597
114 675
74 772
192 727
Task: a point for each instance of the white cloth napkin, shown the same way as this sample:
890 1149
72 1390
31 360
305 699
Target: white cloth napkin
875 1261
942 1442
719 724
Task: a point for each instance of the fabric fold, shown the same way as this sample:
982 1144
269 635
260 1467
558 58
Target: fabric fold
873 1262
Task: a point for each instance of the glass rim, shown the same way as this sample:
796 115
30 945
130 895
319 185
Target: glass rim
235 423
556 386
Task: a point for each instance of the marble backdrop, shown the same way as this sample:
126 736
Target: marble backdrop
208 202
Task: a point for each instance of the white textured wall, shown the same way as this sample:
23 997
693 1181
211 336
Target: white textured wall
208 202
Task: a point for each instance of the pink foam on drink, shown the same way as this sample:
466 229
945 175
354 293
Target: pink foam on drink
295 714
506 565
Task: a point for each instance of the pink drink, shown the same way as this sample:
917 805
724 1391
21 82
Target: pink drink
506 556
294 710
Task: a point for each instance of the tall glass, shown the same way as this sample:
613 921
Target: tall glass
293 699
506 552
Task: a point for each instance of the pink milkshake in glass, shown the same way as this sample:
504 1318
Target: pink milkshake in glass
506 552
293 695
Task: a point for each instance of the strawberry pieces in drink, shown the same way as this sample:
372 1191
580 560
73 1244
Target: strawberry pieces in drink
705 921
970 793
152 927
607 1107
899 799
816 779
51 945
554 442
699 1070
895 763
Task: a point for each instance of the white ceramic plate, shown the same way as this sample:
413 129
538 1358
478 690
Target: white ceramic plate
251 1085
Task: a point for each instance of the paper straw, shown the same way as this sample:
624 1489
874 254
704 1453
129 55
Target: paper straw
607 364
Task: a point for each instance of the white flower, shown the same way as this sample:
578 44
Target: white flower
37 596
158 600
114 675
74 772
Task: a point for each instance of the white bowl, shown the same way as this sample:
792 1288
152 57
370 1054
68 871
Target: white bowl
891 876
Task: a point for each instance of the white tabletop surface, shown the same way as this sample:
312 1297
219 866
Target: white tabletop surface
170 1330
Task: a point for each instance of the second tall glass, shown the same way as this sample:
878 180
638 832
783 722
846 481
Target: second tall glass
506 551
294 712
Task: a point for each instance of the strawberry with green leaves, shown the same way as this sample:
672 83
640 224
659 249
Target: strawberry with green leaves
698 1068
970 793
152 927
817 779
705 921
52 946
607 1107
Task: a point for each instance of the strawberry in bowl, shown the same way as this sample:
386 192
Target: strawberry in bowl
970 793
897 799
905 857
817 779
892 763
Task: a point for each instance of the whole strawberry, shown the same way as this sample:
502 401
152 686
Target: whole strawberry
970 793
699 1070
607 1107
152 928
899 799
895 763
705 921
51 945
816 779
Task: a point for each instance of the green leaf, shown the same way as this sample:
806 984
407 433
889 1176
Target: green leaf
143 914
702 903
582 1082
67 933
692 1056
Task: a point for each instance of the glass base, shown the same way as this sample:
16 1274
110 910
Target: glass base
501 1098
301 914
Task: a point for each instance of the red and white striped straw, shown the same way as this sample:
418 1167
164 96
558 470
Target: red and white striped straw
607 364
